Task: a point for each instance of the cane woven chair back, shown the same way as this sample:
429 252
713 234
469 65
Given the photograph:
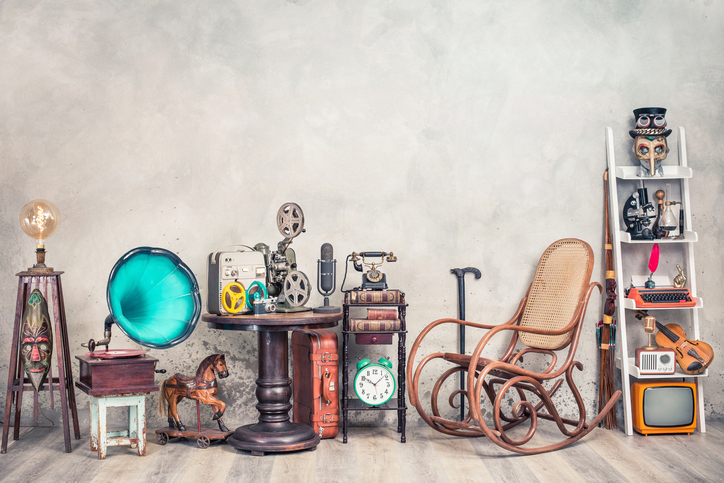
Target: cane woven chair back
559 284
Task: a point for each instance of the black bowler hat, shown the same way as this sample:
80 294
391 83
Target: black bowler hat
650 121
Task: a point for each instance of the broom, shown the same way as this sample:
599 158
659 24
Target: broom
606 330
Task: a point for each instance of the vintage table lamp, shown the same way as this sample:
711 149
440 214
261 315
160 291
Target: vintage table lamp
40 330
39 219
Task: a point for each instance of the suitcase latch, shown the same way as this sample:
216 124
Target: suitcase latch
326 357
327 418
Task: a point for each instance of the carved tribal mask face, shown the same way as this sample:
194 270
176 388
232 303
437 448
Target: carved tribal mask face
36 339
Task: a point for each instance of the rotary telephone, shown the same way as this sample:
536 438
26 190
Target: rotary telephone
373 279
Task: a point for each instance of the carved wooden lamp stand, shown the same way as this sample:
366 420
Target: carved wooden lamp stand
49 284
39 219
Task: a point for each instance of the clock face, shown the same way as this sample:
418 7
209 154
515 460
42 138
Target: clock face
374 384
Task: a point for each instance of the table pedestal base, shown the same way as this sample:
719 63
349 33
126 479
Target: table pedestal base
264 438
274 433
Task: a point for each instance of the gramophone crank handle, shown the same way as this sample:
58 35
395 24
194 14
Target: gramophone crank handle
91 345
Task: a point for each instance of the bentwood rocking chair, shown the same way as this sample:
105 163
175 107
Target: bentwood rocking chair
546 327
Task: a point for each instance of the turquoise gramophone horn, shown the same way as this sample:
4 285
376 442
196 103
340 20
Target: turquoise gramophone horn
153 297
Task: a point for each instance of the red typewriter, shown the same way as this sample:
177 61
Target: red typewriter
661 297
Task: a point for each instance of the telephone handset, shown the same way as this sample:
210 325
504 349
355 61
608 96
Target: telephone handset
373 279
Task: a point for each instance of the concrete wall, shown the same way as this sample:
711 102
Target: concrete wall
452 133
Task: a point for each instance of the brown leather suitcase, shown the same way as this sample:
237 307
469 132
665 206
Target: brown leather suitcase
315 383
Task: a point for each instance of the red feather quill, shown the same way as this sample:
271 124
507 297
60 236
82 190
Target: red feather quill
654 260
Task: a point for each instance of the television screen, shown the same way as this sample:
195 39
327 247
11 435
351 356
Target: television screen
668 406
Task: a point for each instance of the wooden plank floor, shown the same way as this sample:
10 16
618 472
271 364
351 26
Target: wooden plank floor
375 454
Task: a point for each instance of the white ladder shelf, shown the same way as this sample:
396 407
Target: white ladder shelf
623 244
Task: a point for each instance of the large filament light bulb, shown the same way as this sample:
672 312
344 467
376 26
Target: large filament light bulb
39 219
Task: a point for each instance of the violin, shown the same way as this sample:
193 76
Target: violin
693 356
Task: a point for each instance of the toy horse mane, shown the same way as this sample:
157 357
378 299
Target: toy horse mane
208 361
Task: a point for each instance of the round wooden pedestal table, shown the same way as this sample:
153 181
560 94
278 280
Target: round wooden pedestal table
274 433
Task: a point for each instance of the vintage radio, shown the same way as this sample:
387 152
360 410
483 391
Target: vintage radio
234 277
657 361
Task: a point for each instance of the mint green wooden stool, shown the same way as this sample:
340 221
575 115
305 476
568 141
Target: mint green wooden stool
135 435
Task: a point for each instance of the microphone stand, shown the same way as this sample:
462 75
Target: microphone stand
326 262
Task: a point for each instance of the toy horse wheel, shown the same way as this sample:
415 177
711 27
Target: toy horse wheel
162 438
203 442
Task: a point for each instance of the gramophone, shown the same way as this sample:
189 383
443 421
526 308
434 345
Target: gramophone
153 297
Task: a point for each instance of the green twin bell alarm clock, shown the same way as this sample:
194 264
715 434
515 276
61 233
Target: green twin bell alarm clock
374 382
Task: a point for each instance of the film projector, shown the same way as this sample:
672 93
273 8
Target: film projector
259 280
283 281
153 297
236 280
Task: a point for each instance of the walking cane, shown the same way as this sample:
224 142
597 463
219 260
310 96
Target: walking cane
460 273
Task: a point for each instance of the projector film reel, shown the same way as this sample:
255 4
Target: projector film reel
256 291
233 297
296 288
290 220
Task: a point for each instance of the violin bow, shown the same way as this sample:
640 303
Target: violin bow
607 327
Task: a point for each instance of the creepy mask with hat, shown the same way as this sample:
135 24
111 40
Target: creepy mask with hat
649 136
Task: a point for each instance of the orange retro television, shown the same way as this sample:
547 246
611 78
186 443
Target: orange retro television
663 407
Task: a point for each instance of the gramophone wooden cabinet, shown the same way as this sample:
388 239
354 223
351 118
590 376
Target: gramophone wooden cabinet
102 377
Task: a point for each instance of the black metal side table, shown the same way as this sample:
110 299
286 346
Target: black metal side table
375 337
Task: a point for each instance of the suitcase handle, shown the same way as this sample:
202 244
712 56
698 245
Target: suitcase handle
327 386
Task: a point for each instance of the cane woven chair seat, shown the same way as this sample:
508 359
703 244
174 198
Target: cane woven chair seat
547 324
558 285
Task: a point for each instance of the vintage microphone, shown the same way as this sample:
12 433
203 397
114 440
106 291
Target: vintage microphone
326 279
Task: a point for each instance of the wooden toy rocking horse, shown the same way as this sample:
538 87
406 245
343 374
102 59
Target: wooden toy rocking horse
202 387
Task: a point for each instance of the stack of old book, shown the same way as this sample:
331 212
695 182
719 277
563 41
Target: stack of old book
367 331
381 297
